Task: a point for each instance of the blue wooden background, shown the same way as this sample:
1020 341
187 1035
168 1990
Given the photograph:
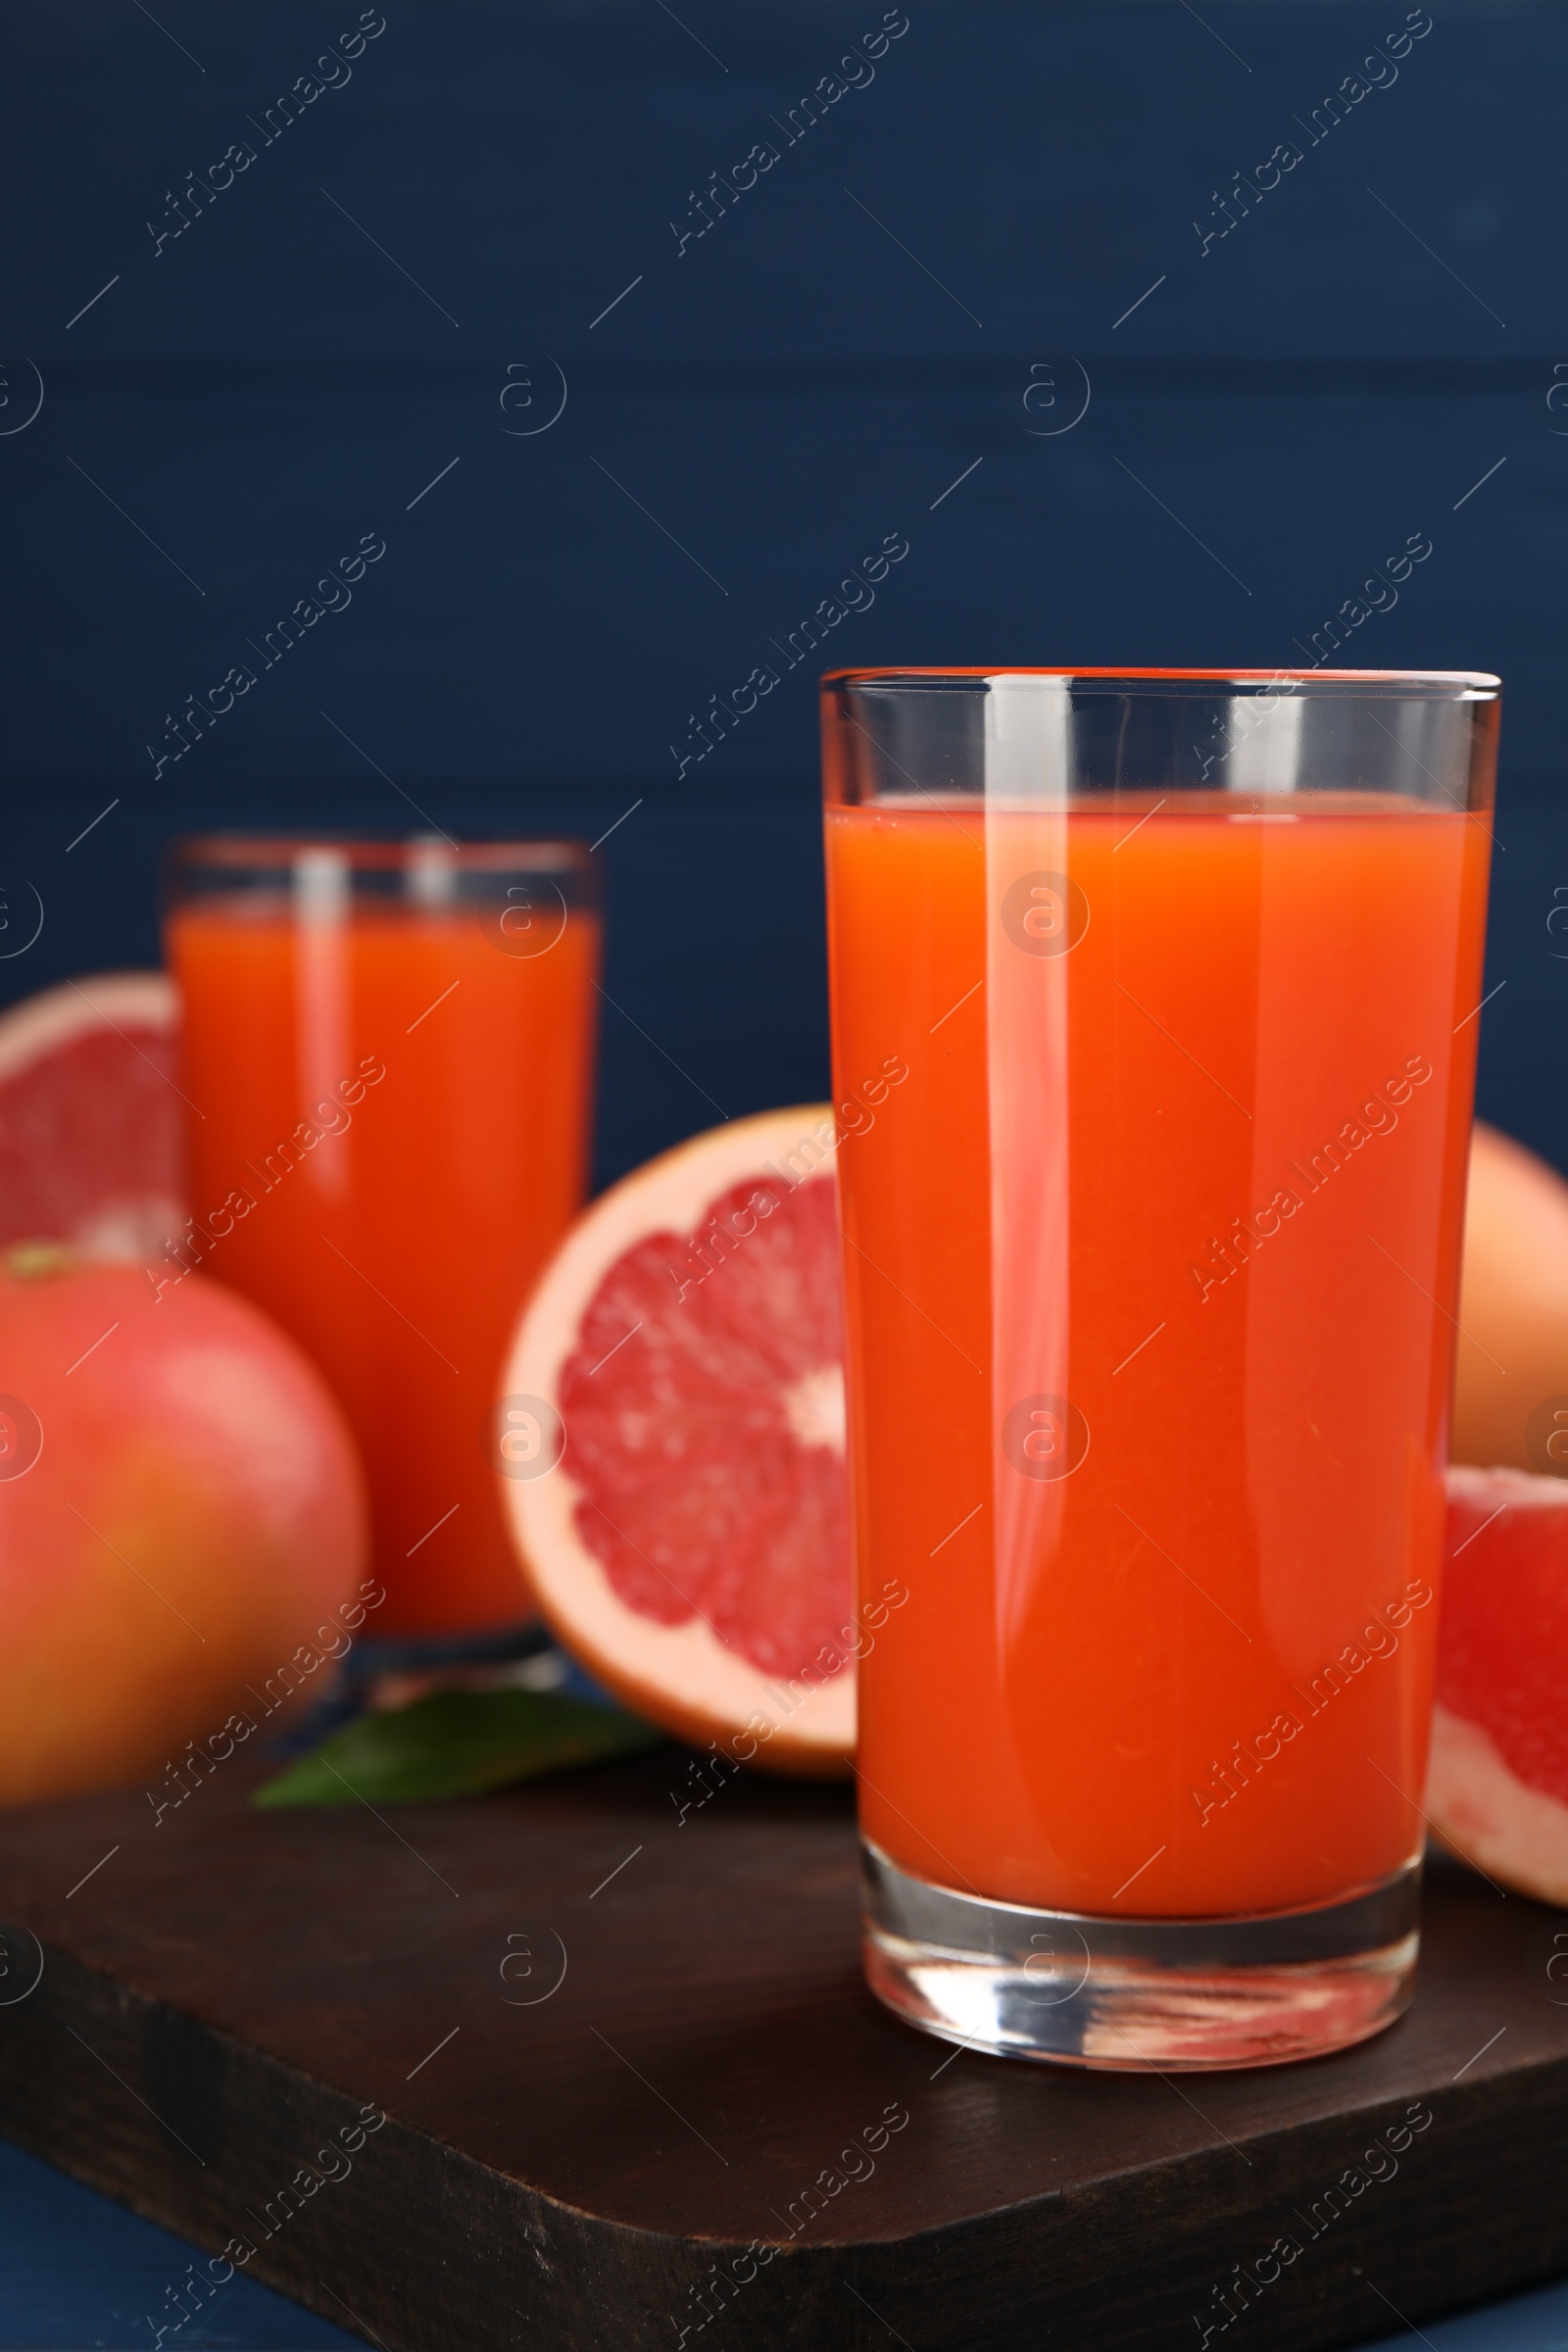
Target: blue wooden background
477 214
485 213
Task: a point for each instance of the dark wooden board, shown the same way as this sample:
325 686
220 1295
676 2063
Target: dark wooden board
224 1993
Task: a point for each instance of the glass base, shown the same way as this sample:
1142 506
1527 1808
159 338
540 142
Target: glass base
1125 1994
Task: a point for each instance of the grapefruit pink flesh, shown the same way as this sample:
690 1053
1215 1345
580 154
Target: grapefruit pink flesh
1497 1789
90 1117
709 1445
692 1543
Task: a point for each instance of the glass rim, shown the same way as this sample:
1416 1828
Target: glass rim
1466 685
239 853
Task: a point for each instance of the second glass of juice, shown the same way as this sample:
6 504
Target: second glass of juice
388 1061
1151 1275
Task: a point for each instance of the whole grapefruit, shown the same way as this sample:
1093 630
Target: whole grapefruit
1510 1401
182 1526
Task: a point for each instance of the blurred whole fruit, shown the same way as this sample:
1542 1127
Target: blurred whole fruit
181 1515
1510 1403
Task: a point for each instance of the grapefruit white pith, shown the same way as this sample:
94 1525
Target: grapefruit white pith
1498 1785
90 1118
671 1442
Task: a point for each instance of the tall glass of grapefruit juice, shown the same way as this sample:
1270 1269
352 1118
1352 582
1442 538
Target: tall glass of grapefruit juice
1151 1267
389 1060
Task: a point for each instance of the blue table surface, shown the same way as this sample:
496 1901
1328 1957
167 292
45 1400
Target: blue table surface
79 2273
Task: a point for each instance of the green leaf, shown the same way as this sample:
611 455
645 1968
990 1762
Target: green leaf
456 1744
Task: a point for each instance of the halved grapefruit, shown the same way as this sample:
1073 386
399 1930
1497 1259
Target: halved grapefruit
1498 1785
671 1438
89 1116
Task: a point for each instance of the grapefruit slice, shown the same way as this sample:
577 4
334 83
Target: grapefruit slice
89 1116
672 1445
1498 1785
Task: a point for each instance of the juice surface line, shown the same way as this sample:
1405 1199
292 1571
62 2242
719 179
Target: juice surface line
447 1087
1152 1263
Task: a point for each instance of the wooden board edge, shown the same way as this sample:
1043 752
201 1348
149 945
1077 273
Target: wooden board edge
391 2234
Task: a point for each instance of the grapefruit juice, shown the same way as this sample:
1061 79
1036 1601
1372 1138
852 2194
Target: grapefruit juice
389 1099
1151 1272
